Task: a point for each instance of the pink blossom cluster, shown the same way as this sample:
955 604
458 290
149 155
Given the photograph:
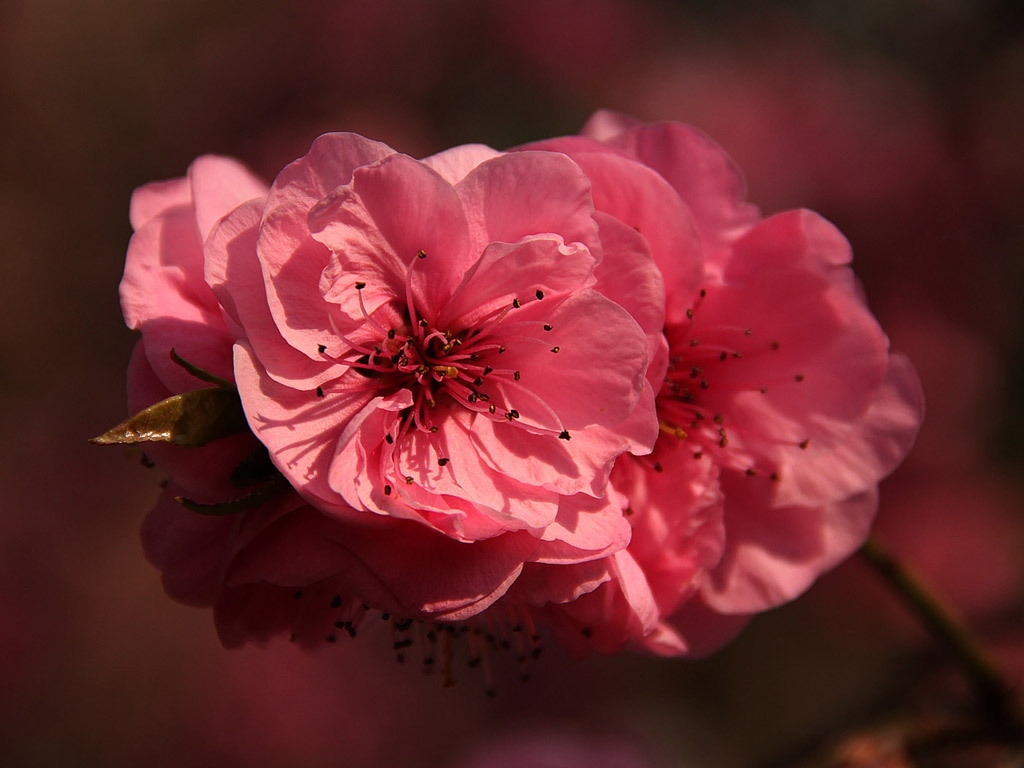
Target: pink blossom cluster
582 384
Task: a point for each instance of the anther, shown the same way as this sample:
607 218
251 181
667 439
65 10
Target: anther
442 462
703 292
487 369
804 444
564 435
704 384
750 472
421 253
689 314
555 349
408 480
387 490
336 601
433 430
391 333
540 294
547 327
517 303
799 377
477 381
658 467
774 476
319 391
491 408
515 375
775 345
321 348
723 442
501 349
360 285
389 438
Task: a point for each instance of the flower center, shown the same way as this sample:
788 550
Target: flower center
467 365
708 364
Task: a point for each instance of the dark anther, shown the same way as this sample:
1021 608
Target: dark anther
804 444
799 377
487 369
689 314
723 356
775 345
703 293
478 381
517 303
319 391
321 348
360 285
433 430
564 435
421 253
491 408
774 476
514 413
408 480
516 375
387 490
750 472
336 601
389 438
391 333
423 323
442 462
501 349
704 384
547 327
471 397
540 294
555 349
658 467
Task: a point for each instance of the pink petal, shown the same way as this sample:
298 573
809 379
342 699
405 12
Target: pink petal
455 164
589 369
156 199
164 295
703 630
298 428
233 273
880 440
813 348
642 200
292 261
376 226
774 553
220 184
705 177
510 271
796 240
520 194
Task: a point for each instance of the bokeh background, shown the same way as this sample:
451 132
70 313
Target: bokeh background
901 121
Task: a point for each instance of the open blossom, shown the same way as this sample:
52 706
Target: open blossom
430 340
780 412
461 365
445 413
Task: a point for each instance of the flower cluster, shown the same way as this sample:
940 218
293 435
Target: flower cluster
580 384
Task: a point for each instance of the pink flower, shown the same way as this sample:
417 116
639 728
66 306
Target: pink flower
446 422
454 362
431 341
780 412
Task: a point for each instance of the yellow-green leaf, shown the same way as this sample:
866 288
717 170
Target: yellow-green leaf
190 419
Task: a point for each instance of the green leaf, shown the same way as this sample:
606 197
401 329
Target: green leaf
257 497
190 419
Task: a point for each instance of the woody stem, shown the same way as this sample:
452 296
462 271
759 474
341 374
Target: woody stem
995 695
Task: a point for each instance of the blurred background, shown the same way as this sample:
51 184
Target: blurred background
901 121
